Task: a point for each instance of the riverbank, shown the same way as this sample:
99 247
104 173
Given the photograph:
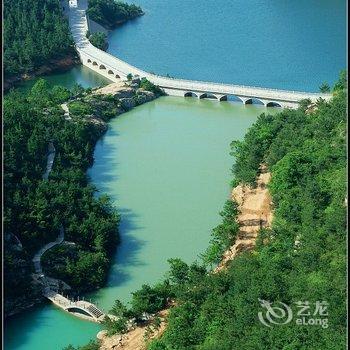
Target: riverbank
94 108
97 108
137 337
255 213
58 65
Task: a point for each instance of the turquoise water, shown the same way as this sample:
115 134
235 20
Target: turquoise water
166 164
281 44
45 327
79 74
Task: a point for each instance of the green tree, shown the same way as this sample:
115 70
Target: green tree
325 87
110 13
99 39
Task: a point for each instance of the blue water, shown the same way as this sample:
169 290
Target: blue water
283 44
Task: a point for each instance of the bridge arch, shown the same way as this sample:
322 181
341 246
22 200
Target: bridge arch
102 66
190 94
209 95
78 310
254 101
110 72
89 61
117 76
94 63
234 98
273 104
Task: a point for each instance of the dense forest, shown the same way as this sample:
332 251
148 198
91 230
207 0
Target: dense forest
301 258
99 40
110 13
34 32
35 208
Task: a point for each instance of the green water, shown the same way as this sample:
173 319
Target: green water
77 75
166 166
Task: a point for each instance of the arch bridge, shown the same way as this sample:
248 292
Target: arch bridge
79 308
115 70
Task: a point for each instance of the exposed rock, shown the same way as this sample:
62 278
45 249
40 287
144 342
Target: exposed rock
255 213
128 103
126 92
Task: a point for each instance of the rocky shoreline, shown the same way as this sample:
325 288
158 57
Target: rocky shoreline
55 65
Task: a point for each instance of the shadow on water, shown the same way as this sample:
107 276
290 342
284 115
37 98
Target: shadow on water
25 324
97 173
103 175
127 251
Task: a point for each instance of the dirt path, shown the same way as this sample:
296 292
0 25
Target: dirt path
134 339
255 206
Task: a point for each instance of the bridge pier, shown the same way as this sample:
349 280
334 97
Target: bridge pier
108 72
115 69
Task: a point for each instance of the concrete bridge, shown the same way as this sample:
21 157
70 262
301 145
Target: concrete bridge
115 69
79 308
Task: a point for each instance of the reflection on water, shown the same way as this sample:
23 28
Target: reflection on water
77 75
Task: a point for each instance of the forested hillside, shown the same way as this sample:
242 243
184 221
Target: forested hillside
34 32
301 259
35 208
110 13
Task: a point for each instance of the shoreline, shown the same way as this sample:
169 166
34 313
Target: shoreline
126 92
57 65
255 213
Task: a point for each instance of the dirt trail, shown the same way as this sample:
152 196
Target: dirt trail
134 339
255 212
255 206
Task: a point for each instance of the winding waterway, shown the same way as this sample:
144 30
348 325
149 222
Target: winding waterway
166 164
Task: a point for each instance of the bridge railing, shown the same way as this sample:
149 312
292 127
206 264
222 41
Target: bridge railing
195 84
177 83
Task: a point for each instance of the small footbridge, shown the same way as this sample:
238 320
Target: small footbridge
51 286
115 70
80 308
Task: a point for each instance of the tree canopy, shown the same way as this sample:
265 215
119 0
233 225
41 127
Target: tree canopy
34 208
301 258
110 13
34 32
